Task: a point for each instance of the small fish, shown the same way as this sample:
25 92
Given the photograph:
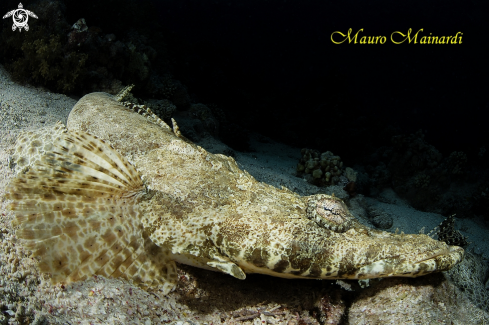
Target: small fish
150 198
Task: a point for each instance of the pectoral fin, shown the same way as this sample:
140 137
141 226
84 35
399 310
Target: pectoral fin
77 209
223 264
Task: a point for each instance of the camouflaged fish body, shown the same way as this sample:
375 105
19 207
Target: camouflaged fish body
191 207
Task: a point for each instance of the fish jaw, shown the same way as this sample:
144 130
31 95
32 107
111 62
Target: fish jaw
440 260
359 253
380 254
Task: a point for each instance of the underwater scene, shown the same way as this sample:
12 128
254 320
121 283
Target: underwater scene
243 162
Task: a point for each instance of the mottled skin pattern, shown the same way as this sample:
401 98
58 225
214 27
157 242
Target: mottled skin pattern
209 213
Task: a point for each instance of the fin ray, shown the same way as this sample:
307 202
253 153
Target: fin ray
77 209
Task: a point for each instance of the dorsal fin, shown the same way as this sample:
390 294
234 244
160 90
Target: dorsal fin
148 113
178 133
123 93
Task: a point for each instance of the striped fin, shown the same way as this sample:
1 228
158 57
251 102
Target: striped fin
148 113
77 209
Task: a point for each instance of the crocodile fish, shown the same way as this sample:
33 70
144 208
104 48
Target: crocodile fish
119 193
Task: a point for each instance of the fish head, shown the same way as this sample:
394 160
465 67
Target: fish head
350 250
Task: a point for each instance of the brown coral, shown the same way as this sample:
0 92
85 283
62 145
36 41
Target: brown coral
44 60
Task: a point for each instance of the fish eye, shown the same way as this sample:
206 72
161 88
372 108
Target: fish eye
329 212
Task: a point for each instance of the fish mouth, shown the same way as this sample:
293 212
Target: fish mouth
444 259
436 260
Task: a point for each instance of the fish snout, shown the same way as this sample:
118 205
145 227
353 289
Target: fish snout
417 263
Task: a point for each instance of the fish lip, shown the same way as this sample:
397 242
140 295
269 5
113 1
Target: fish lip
433 254
449 251
436 260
